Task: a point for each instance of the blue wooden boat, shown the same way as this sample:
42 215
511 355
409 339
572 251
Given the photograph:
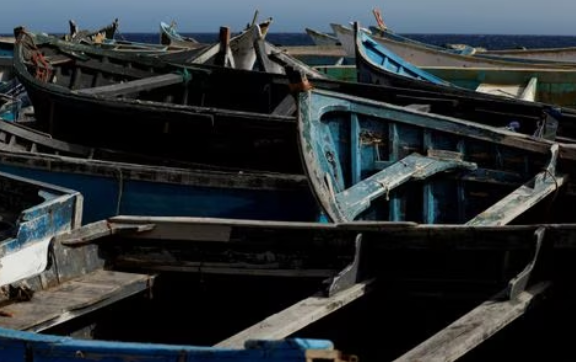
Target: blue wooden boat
370 50
170 36
369 160
377 64
31 347
31 214
423 55
49 285
114 182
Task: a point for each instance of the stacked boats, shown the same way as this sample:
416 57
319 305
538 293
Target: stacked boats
237 160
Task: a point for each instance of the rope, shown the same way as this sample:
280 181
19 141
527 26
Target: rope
120 190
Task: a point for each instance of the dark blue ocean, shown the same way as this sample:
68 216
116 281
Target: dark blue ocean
488 41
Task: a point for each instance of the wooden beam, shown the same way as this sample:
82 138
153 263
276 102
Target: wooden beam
523 198
134 86
358 198
109 68
72 299
297 316
473 328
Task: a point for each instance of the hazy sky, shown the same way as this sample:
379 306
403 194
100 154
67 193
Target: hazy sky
546 17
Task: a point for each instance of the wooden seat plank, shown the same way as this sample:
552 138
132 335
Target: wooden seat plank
297 316
72 299
133 86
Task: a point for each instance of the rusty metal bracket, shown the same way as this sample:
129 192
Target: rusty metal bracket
518 284
348 276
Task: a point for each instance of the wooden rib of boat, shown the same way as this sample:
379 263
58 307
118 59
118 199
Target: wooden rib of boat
320 38
369 160
115 182
424 56
31 214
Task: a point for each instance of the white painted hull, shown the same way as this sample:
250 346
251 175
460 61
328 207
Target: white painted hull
566 55
426 57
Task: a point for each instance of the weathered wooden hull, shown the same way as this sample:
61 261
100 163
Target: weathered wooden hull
374 161
567 54
154 125
110 188
451 259
31 347
553 86
322 39
424 56
79 281
222 116
169 36
32 213
464 82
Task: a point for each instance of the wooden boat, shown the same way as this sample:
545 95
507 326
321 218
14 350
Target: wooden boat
257 105
91 37
566 54
234 52
170 36
114 182
160 104
407 259
322 39
50 286
376 62
369 160
31 214
424 56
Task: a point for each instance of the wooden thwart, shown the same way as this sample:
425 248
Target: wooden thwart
297 316
358 197
134 86
474 328
72 299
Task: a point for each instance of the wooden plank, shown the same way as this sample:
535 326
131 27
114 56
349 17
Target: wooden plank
297 316
516 203
72 299
133 86
42 139
473 328
287 107
114 69
357 198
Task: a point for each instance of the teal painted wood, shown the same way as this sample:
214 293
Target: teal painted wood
112 188
31 214
18 346
391 62
471 166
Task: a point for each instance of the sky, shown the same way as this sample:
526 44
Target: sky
535 17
